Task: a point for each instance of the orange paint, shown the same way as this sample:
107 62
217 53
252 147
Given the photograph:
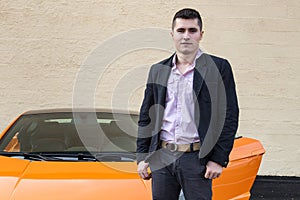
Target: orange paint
22 179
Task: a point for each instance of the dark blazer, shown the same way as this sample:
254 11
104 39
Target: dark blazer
216 109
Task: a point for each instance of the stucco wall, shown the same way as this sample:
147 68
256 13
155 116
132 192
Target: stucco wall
44 44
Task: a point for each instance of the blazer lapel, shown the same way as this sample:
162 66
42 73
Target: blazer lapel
162 79
163 75
199 73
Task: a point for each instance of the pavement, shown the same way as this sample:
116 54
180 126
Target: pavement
273 188
276 188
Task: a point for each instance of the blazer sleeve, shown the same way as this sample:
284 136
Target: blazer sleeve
145 125
223 147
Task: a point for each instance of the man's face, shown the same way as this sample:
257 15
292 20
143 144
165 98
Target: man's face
186 35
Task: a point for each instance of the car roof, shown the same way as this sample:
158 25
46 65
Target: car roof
72 110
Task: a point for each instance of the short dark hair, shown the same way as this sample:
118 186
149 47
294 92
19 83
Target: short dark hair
188 13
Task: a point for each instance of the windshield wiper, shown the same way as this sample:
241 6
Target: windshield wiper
30 156
116 156
107 156
78 156
40 157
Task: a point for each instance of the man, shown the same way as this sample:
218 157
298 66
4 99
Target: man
188 118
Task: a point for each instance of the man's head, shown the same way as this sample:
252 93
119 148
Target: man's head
187 31
187 13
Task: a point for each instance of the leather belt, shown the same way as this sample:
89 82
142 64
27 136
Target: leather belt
181 147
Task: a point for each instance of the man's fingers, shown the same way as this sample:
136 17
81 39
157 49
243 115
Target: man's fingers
211 175
143 170
213 170
144 174
207 174
215 175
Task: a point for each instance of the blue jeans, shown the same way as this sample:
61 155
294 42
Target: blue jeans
173 171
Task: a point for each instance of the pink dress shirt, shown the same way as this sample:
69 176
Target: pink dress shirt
178 124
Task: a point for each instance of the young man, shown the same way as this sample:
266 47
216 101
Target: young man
188 118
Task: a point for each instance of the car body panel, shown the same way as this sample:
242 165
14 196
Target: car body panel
237 179
22 179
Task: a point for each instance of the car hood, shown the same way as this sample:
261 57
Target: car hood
23 179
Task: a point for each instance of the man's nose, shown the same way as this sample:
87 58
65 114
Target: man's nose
186 35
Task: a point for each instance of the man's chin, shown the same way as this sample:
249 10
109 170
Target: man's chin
187 51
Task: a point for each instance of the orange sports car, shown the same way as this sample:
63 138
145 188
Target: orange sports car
90 154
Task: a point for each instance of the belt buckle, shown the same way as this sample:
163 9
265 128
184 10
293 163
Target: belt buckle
172 147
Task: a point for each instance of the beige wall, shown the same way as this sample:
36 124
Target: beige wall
44 44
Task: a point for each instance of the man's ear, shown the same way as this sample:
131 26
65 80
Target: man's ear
201 34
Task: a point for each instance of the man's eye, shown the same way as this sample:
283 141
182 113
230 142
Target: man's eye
181 30
193 30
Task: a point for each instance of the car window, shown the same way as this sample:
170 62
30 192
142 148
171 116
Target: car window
65 132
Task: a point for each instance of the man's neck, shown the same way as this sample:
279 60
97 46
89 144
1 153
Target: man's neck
185 60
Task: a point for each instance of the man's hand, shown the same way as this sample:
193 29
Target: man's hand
213 170
143 170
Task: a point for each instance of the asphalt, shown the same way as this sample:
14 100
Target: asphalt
276 188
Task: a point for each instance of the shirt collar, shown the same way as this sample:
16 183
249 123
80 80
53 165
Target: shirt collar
199 53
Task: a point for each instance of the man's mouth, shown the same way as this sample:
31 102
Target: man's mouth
184 43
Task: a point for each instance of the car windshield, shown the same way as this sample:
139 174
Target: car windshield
65 133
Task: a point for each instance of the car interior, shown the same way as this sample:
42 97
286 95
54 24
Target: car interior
52 136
